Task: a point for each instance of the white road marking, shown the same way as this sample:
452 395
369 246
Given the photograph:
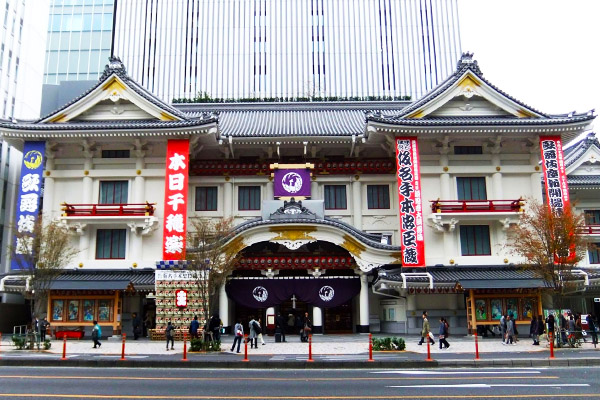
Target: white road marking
484 385
457 372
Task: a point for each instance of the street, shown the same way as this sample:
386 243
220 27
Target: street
127 383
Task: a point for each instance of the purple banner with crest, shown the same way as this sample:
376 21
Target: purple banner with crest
291 183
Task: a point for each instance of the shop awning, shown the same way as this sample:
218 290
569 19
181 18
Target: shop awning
89 285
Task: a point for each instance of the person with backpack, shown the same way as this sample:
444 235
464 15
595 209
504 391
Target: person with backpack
96 334
169 335
238 331
253 325
443 333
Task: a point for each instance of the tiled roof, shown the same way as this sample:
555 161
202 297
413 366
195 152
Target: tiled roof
573 153
142 279
583 180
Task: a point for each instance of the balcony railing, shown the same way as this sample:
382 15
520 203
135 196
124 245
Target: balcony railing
108 210
473 206
592 229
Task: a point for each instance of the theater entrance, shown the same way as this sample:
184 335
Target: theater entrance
338 319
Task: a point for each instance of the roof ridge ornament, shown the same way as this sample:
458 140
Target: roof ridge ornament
114 66
467 62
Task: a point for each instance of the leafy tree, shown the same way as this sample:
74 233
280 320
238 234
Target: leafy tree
211 257
41 255
548 242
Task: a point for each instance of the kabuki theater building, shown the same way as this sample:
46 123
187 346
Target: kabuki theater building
361 213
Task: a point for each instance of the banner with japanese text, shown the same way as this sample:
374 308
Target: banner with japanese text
176 189
555 178
28 200
410 207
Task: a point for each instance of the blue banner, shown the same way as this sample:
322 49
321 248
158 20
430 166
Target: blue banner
28 201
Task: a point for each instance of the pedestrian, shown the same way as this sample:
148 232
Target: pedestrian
194 326
592 328
214 326
291 322
443 333
238 331
541 328
96 334
147 325
259 331
533 330
44 324
306 328
510 331
169 335
550 321
503 328
253 325
280 324
137 326
564 326
425 332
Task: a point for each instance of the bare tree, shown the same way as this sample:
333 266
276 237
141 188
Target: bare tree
211 257
549 242
41 255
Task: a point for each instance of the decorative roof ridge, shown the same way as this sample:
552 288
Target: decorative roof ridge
191 108
575 152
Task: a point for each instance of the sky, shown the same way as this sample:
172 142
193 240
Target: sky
545 53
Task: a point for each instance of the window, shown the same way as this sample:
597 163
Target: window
594 253
206 198
475 240
384 237
110 244
471 188
378 197
592 217
115 153
335 197
468 150
249 198
113 192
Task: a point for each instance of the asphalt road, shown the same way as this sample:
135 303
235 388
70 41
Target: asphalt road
118 383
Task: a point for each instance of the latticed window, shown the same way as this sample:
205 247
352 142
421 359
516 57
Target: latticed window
249 198
475 240
206 198
113 192
471 188
110 243
592 217
335 197
378 196
594 253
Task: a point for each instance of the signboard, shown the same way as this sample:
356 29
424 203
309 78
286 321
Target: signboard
557 190
181 298
28 200
291 182
176 189
179 275
409 197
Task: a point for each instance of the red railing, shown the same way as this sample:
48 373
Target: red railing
591 229
107 210
457 206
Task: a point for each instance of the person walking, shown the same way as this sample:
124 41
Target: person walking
280 324
137 326
169 335
194 326
214 326
443 333
510 331
533 330
503 328
44 324
259 332
238 331
564 326
550 321
541 328
426 330
96 334
592 328
306 328
253 325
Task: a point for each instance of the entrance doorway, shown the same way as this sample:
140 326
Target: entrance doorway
338 319
292 310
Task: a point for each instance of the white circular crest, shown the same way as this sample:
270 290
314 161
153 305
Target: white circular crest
260 293
291 182
326 293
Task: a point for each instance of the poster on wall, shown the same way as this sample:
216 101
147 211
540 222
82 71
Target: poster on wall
176 189
410 207
28 201
555 178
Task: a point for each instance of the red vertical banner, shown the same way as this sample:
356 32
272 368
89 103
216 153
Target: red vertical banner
176 189
410 207
555 177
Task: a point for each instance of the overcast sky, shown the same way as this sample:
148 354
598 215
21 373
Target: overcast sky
545 53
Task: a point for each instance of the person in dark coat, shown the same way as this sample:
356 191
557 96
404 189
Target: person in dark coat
194 326
44 324
137 326
306 328
280 324
541 328
169 334
443 333
214 326
533 330
592 328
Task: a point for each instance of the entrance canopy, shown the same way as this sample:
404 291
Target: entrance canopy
270 292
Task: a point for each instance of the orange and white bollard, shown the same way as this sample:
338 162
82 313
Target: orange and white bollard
245 348
370 348
184 347
476 347
428 350
123 348
64 357
551 338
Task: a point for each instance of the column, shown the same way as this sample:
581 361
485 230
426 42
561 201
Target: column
444 180
227 198
224 308
411 318
269 190
363 326
317 318
87 198
356 205
497 179
48 205
314 190
140 183
536 177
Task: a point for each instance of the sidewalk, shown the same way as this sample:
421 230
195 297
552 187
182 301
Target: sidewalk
328 351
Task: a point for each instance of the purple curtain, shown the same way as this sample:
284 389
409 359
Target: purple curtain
262 293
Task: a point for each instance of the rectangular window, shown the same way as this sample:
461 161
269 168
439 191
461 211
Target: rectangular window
335 197
113 192
468 150
206 198
475 240
115 153
378 197
592 217
594 253
110 244
471 188
249 198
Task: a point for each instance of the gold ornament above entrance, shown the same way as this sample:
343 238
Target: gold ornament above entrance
293 237
353 246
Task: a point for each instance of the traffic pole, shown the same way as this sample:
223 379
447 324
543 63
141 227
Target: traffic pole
64 357
476 347
551 338
245 348
0 343
370 348
428 350
123 348
310 359
184 347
